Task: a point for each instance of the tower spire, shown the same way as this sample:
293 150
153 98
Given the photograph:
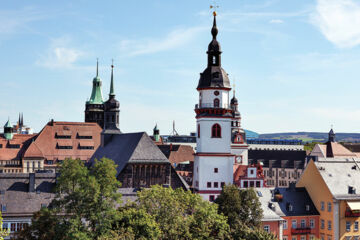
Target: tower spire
112 92
214 29
97 67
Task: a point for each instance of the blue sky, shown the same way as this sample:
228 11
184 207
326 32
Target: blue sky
296 64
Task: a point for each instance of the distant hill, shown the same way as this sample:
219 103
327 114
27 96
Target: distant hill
312 136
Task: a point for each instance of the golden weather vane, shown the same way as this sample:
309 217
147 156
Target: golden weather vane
215 7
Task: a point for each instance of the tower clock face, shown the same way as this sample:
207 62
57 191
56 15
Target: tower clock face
216 93
238 159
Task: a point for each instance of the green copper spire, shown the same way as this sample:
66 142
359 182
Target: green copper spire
112 92
8 134
96 94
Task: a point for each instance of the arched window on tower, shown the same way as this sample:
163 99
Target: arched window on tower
216 131
214 60
112 118
216 103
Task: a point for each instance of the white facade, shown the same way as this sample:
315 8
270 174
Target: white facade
207 97
205 143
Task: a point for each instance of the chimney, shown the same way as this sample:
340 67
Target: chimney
31 182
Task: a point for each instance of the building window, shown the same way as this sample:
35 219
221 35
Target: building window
211 198
257 183
329 238
5 226
216 184
293 224
216 103
303 223
348 226
348 238
329 225
322 206
214 60
251 171
246 184
303 238
3 208
356 226
329 206
293 238
267 228
216 131
322 224
251 183
198 130
209 184
312 223
216 170
312 237
222 184
13 227
285 224
285 238
356 238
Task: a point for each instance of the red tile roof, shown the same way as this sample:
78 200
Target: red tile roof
66 134
7 153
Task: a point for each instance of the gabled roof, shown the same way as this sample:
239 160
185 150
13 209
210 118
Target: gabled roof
130 148
298 198
339 175
177 153
332 149
70 134
8 153
15 194
278 158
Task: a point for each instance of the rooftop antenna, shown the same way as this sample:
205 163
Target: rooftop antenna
97 67
174 132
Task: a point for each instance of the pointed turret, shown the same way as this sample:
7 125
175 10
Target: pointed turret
96 93
112 108
214 76
8 130
156 134
331 136
112 92
94 107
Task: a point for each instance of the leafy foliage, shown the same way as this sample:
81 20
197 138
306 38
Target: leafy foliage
84 207
3 232
181 214
243 209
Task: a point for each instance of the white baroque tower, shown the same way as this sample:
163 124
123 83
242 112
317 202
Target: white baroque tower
213 164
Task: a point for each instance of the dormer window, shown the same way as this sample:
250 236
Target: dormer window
307 207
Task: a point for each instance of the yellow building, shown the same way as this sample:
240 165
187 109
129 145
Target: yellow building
332 184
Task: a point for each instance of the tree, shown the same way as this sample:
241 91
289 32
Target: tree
3 232
243 209
240 206
84 206
182 215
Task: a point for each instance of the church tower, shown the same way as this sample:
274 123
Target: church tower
239 146
111 110
213 164
94 108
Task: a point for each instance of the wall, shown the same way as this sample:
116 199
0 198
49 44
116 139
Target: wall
318 192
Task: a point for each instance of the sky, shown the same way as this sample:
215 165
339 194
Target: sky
295 64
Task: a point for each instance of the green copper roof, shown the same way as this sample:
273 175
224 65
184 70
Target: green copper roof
8 125
96 93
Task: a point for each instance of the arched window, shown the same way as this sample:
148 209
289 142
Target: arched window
216 131
198 130
214 60
216 103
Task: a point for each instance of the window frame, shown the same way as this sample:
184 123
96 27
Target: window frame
216 131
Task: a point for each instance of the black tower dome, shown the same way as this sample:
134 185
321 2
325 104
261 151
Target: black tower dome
214 76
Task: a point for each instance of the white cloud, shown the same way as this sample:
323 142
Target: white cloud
276 21
174 39
59 55
338 21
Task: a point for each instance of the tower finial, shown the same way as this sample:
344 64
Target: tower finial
97 67
112 92
214 30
